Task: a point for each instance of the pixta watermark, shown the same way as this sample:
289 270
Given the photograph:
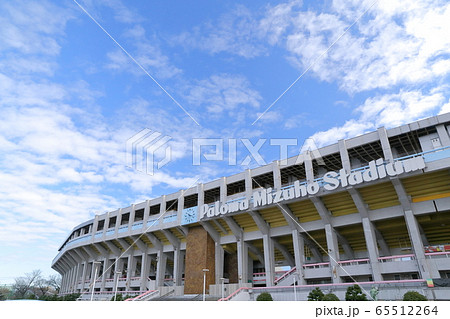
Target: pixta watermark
149 150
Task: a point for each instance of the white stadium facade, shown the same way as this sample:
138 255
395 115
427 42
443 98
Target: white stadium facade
374 209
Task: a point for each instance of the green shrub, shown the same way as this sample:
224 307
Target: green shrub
315 295
414 296
265 296
354 293
330 297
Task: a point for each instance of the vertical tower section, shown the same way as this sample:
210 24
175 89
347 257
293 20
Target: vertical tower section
200 254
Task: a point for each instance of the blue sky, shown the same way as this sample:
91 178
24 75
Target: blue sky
70 96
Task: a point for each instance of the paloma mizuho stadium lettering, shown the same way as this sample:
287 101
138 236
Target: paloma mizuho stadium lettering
331 180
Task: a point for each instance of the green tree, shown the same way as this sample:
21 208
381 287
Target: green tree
315 295
265 296
414 296
354 293
330 297
119 297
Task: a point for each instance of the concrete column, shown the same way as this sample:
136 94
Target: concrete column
70 279
77 278
162 208
83 279
132 216
276 175
242 254
385 145
427 270
219 257
201 194
299 255
118 221
333 252
345 159
308 167
161 268
269 260
63 283
94 226
372 248
106 265
180 204
146 213
248 184
106 226
92 283
129 271
178 261
223 190
145 270
443 135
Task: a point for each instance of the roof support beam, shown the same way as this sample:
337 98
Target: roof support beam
211 231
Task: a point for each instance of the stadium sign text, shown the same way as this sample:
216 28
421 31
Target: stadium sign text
377 169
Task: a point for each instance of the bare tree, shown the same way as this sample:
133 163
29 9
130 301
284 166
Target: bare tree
24 285
54 281
41 287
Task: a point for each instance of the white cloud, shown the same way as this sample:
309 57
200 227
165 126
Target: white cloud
236 32
391 45
388 110
224 93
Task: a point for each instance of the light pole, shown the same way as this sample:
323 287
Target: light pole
95 278
204 283
223 288
117 283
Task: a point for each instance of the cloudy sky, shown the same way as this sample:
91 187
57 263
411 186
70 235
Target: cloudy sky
80 78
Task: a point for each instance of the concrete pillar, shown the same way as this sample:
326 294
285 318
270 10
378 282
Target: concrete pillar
242 254
308 167
92 283
276 175
162 207
145 270
77 278
70 279
269 260
180 204
161 268
372 248
427 270
132 216
178 261
219 257
345 159
106 226
63 283
94 226
201 194
299 255
333 253
118 221
223 189
443 135
83 279
146 213
106 266
248 184
129 271
385 145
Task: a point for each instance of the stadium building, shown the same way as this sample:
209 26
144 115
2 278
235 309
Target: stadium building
373 209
